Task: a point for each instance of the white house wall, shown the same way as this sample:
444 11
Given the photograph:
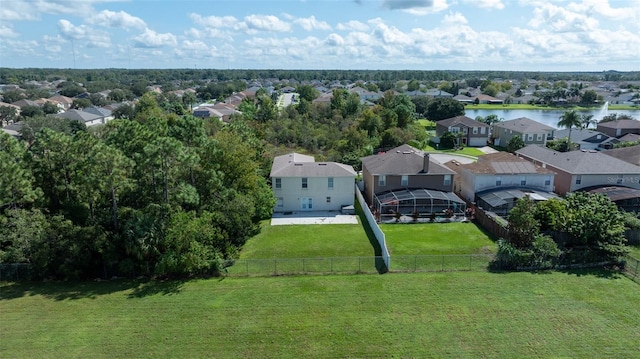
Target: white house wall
291 193
473 183
627 180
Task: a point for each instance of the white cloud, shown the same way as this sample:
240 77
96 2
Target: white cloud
152 39
118 19
334 40
354 25
486 4
28 10
454 19
89 36
310 24
389 35
214 21
602 8
559 19
7 31
268 23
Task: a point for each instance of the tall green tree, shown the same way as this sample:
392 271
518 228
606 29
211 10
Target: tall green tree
570 119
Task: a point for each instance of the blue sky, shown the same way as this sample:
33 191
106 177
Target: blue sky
531 35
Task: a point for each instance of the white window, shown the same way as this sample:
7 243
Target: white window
531 137
304 183
465 130
454 130
330 182
447 180
523 181
539 137
404 181
578 179
382 180
483 130
280 202
498 181
475 130
547 182
278 183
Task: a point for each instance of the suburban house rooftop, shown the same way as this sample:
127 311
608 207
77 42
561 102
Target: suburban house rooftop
299 165
579 162
524 125
504 163
403 160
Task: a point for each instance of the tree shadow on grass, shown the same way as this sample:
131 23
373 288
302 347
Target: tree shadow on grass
59 291
600 272
381 267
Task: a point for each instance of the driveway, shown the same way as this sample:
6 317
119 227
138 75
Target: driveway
319 217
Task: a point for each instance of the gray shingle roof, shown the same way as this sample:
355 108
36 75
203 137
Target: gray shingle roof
299 165
628 154
580 162
464 120
628 124
524 125
402 160
78 115
578 135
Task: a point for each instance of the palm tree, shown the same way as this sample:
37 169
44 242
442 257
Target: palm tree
570 119
587 120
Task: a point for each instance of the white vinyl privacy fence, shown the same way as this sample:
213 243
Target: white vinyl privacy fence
373 224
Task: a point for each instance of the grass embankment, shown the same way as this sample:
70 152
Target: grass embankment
441 315
437 239
635 251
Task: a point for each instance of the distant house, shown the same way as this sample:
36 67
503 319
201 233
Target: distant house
406 180
586 139
486 99
106 114
619 128
221 111
577 170
301 184
531 132
496 181
25 102
88 118
64 101
366 94
474 133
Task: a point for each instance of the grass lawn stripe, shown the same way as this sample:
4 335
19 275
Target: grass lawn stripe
462 315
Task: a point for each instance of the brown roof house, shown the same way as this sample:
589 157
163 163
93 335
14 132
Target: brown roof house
496 181
577 170
301 184
532 132
406 180
474 133
619 128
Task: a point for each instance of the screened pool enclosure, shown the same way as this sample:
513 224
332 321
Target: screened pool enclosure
422 202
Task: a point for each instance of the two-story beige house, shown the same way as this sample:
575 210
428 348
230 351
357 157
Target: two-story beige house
472 133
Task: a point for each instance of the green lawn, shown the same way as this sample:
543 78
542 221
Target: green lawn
468 151
437 238
308 241
425 315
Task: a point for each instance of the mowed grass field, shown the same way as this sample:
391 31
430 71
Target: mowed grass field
308 241
415 315
437 239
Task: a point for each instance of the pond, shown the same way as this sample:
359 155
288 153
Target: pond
547 117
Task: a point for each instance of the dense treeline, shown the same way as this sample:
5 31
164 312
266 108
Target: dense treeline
108 77
160 194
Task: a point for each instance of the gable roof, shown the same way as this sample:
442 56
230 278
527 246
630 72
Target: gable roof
628 154
299 165
78 115
464 120
582 135
579 162
629 137
504 163
620 124
524 125
402 160
99 111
